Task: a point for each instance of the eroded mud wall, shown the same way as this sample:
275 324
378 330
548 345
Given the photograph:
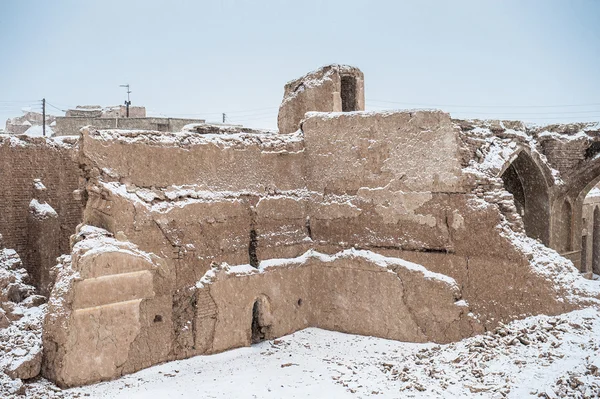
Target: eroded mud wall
390 183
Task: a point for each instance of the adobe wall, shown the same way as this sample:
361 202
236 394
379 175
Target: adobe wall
54 162
216 213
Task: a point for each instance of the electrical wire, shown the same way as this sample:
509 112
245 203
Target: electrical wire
485 106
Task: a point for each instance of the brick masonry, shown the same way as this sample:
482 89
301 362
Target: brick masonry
54 162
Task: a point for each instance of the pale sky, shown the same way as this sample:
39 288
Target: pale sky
537 61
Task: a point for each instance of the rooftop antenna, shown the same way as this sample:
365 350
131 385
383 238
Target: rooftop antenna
128 102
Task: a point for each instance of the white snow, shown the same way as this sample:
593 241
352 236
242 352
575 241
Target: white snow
227 137
38 131
377 259
565 137
536 356
42 210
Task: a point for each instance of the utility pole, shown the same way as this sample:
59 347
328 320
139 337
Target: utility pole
224 117
44 117
127 103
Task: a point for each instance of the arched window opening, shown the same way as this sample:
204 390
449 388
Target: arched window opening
348 93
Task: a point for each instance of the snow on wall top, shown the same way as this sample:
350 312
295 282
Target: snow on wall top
92 241
192 135
372 257
23 140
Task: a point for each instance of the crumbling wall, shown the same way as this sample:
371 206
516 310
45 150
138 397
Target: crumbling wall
333 88
54 163
335 292
109 313
229 214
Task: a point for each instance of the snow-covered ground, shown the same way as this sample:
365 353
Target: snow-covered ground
540 356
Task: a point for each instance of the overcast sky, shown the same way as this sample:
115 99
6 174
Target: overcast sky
202 58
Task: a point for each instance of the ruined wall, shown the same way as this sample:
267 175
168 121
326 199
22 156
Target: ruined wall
237 218
54 163
333 88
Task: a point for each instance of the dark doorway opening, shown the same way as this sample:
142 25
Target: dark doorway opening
258 330
348 93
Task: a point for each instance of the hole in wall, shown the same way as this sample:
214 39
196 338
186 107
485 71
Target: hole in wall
253 258
299 301
308 229
592 150
157 318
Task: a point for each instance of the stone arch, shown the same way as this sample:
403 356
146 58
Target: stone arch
596 241
529 184
579 184
260 327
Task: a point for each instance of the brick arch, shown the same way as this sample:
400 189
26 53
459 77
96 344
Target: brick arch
529 182
578 185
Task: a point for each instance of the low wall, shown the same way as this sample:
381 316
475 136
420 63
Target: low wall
113 287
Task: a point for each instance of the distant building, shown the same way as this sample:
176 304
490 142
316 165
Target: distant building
115 117
96 111
21 124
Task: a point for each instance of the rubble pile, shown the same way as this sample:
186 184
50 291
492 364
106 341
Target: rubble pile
496 363
21 314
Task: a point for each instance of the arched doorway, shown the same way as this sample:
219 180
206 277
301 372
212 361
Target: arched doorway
261 325
524 179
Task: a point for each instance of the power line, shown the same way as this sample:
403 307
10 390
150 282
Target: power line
484 106
20 101
241 119
250 112
55 107
524 113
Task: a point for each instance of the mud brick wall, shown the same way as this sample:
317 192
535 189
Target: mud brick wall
21 161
